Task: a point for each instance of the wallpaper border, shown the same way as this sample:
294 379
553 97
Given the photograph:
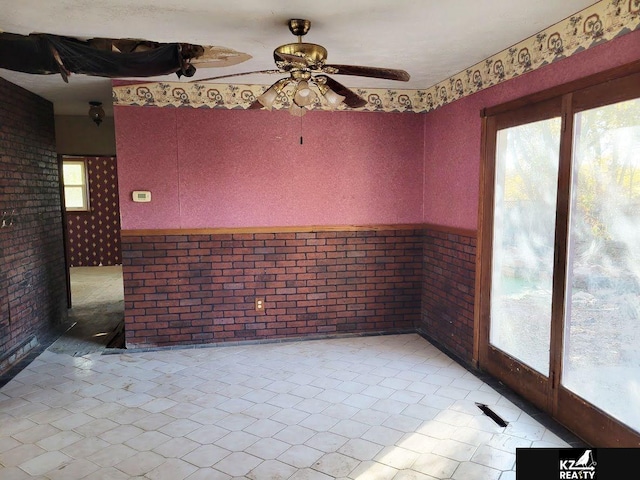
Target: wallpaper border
597 24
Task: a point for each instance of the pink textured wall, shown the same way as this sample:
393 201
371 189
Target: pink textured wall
452 133
229 168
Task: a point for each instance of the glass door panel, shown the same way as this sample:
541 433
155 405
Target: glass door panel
601 360
527 158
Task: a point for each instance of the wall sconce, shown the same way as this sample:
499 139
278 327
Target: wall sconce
96 112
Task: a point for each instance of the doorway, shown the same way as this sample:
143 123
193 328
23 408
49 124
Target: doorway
560 257
93 259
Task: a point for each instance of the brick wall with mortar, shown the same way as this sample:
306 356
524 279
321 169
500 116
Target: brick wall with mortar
189 289
448 291
32 278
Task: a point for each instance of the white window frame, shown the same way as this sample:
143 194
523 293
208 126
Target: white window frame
86 207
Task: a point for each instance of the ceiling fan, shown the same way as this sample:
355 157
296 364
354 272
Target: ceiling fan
306 65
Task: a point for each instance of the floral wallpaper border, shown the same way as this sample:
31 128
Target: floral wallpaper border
592 26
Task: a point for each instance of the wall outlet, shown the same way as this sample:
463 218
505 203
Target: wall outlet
259 302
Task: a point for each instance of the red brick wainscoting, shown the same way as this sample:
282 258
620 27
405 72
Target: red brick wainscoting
200 286
32 272
448 290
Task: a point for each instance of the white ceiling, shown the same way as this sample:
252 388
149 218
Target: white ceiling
431 39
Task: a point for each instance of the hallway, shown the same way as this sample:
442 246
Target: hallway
97 313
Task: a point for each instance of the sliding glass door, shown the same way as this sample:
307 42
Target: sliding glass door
601 361
523 239
559 275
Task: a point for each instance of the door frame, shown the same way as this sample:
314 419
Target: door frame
65 234
547 393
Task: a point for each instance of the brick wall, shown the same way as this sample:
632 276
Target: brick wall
448 290
32 275
94 236
186 289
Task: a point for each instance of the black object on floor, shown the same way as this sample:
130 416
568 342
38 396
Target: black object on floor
491 414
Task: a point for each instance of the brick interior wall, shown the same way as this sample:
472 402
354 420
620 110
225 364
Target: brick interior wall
448 290
94 237
186 289
32 269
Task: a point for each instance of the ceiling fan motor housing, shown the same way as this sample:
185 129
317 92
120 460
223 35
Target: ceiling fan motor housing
311 55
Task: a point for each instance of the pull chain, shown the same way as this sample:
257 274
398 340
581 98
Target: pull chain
300 130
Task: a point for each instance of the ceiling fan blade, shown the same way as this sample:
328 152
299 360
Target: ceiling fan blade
372 72
233 75
352 99
256 105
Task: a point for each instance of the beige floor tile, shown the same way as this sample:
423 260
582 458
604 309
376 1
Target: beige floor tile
271 469
178 428
207 434
301 456
45 463
396 457
176 447
8 443
237 441
412 475
436 465
238 464
120 434
59 441
468 470
20 454
109 474
206 455
141 463
336 464
388 407
268 448
294 434
85 447
35 434
371 469
208 474
74 470
309 474
111 455
147 441
360 449
172 469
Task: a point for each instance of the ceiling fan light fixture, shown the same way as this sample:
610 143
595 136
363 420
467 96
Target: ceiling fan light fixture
268 98
296 110
96 112
332 98
304 96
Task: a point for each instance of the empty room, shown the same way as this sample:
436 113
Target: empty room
310 241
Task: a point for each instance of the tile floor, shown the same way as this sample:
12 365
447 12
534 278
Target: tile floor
367 408
379 407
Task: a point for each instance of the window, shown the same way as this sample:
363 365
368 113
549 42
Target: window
76 185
